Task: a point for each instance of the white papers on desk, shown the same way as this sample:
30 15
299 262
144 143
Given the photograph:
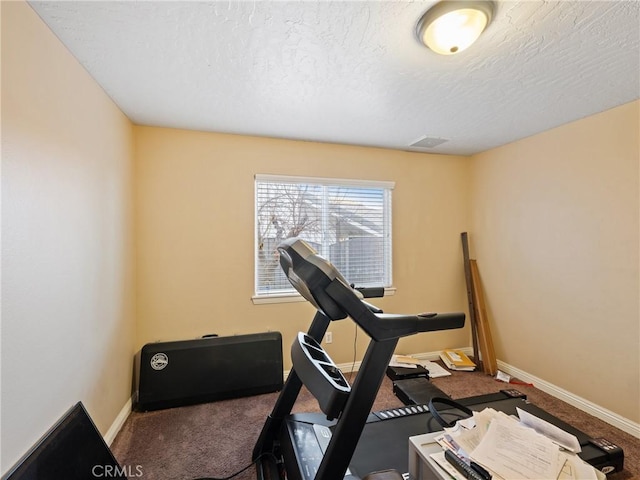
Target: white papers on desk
511 450
515 451
576 468
549 430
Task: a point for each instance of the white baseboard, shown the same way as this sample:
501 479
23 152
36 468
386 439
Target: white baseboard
118 422
591 408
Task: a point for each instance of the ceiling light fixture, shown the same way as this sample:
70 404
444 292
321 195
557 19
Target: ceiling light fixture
451 26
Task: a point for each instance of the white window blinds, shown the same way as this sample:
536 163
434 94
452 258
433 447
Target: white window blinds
346 221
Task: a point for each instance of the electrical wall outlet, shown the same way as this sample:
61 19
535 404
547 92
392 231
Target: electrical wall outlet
328 337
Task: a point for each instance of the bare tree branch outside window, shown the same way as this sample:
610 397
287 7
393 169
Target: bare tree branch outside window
348 225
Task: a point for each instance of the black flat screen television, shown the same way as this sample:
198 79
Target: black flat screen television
72 449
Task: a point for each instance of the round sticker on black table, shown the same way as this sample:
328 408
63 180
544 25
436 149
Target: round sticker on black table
159 361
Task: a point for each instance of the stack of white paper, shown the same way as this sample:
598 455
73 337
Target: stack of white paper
511 449
406 361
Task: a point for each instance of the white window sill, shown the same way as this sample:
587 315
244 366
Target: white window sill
296 297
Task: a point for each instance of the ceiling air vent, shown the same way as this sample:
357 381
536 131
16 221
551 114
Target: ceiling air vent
428 142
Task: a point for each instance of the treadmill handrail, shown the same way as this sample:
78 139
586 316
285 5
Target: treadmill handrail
385 326
320 282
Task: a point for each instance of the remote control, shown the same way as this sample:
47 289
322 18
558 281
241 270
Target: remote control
463 467
513 393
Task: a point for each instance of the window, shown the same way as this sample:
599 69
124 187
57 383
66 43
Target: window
347 221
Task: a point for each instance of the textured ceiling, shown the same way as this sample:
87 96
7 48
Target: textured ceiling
353 72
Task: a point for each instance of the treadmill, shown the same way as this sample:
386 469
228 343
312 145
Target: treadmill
321 447
346 441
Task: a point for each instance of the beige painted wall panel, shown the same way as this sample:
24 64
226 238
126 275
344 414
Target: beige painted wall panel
555 232
195 234
67 245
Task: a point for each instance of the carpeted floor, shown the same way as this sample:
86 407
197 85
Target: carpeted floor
216 439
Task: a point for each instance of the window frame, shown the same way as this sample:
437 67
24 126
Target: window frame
293 296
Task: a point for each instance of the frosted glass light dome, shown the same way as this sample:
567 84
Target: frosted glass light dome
450 26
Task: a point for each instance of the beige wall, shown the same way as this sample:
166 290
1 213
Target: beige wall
67 301
555 232
195 234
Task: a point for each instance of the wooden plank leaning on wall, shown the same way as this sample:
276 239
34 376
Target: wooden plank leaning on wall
483 351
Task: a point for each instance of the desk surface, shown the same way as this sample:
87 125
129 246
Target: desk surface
421 466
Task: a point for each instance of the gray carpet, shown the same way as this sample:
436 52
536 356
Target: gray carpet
216 439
